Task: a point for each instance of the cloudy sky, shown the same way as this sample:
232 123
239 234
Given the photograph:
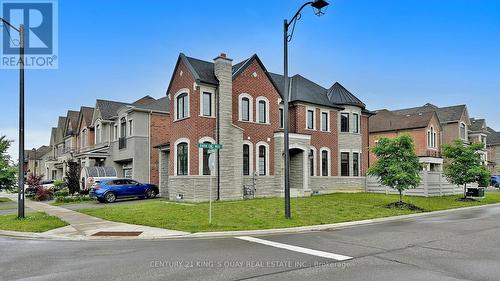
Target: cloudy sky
391 54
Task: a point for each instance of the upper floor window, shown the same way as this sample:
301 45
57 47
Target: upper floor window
344 164
182 106
130 127
98 133
355 164
463 131
344 122
282 118
431 138
84 137
310 119
245 109
115 132
355 121
324 122
246 159
182 159
262 111
123 127
207 104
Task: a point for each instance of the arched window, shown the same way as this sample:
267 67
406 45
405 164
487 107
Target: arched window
182 159
325 162
123 127
84 138
98 133
205 162
311 162
182 106
431 138
246 159
262 110
245 109
262 160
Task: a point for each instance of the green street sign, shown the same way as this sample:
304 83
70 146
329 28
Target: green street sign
210 145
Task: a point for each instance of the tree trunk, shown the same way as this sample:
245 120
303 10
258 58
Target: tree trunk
400 196
465 191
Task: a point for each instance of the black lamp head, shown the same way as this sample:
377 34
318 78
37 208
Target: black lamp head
319 4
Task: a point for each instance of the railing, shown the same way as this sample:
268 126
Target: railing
431 153
122 143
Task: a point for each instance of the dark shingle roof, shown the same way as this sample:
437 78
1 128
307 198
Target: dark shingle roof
493 137
385 120
144 100
161 104
202 70
477 125
53 134
340 95
109 108
72 118
86 114
61 122
447 114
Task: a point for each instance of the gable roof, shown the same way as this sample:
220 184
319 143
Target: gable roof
53 133
71 122
493 138
478 125
85 114
144 100
61 122
109 108
448 114
385 120
161 104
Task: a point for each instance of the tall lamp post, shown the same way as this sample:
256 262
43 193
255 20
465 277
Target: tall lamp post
318 5
20 188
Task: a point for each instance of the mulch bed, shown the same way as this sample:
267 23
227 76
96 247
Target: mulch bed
404 206
466 200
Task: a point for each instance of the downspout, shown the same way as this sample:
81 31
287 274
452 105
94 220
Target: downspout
217 140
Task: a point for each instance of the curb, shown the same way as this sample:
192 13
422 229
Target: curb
222 234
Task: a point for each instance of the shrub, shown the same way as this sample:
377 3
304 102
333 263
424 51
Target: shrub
72 199
59 184
61 193
43 194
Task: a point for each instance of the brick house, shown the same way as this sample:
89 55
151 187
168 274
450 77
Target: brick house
240 107
493 148
423 127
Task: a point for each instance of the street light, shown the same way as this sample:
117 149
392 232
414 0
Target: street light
20 188
318 5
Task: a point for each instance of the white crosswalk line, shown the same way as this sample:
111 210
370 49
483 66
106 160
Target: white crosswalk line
296 248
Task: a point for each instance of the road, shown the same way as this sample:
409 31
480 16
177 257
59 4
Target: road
462 245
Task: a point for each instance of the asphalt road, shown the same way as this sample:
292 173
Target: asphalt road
461 246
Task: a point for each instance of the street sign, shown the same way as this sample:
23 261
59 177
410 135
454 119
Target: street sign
210 145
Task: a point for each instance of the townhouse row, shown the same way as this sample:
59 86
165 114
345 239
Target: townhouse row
240 106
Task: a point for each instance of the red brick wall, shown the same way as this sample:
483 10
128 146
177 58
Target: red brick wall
159 134
192 128
90 133
255 87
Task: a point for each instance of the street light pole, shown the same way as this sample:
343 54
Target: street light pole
317 4
20 188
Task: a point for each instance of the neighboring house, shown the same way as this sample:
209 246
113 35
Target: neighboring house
57 166
478 133
34 160
423 127
493 148
240 106
85 154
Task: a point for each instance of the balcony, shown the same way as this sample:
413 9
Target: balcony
122 143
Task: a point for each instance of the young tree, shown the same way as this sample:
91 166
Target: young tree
397 164
7 171
72 178
463 164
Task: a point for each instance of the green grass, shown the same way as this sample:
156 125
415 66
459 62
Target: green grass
268 213
4 200
72 200
33 222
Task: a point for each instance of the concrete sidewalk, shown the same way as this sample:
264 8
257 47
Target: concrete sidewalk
83 227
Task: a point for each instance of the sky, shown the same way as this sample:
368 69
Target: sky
390 54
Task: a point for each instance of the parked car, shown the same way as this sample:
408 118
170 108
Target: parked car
495 181
108 190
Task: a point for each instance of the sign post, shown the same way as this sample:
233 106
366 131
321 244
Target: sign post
211 165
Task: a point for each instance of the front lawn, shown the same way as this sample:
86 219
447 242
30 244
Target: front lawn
33 222
268 213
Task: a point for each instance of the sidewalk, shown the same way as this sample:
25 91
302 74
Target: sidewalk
84 227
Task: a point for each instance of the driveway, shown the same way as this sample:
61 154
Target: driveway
462 245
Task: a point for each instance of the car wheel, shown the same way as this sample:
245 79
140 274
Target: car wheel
150 193
110 197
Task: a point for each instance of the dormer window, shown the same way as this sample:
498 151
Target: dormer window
431 138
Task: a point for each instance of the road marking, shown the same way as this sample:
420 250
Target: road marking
296 248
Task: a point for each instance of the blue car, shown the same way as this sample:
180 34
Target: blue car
495 181
107 191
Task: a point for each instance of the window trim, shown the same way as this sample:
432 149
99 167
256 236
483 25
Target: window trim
315 162
348 113
348 165
329 161
308 109
465 131
177 142
250 156
200 154
250 107
180 92
257 167
431 138
98 132
356 121
281 111
210 91
258 100
359 163
130 123
327 112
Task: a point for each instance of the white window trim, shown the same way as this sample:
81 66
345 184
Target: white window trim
257 117
84 137
250 155
115 132
200 155
130 128
212 101
98 125
351 164
350 161
432 142
315 161
181 91
466 133
250 107
281 108
257 167
329 161
314 117
327 120
177 142
358 119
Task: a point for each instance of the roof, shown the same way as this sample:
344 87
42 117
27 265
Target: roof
477 125
493 137
161 104
447 114
385 120
40 152
53 133
340 95
144 100
109 108
61 122
72 118
86 114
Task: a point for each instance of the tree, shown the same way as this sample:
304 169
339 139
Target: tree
397 164
7 171
463 164
72 178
